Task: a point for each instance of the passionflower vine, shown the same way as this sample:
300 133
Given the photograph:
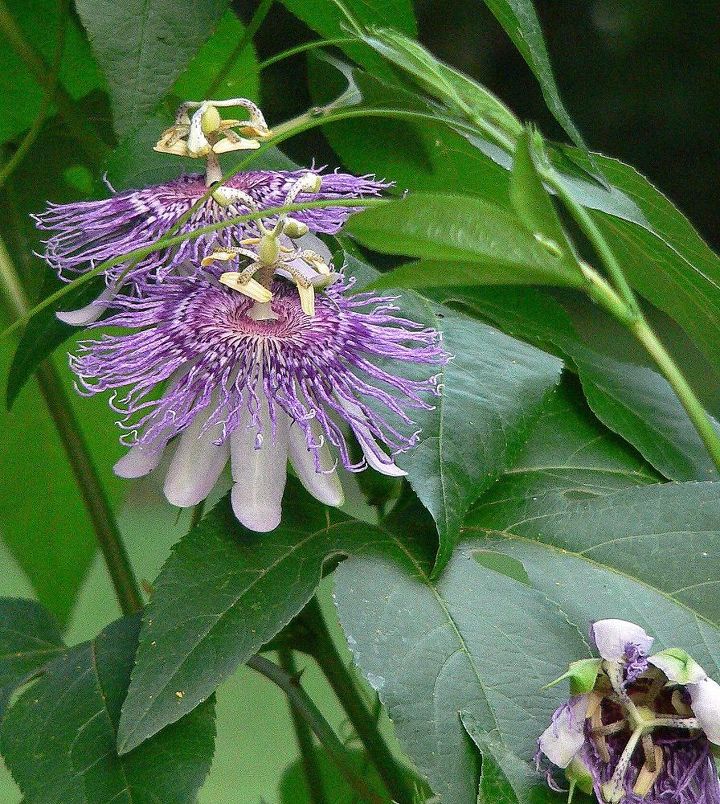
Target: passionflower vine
215 375
638 727
84 234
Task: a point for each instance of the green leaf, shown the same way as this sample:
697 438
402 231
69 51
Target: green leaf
640 405
520 21
642 554
327 19
633 401
458 92
663 256
493 390
59 736
29 639
45 332
465 229
199 626
581 674
433 650
143 46
20 95
242 80
533 205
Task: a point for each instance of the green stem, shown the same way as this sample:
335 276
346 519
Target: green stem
294 51
326 654
94 147
86 477
48 96
252 27
313 717
303 733
596 238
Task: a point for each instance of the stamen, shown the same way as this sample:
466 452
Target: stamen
613 791
247 286
649 772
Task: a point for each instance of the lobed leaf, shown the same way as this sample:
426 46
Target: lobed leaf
493 389
143 46
199 627
59 736
29 639
456 228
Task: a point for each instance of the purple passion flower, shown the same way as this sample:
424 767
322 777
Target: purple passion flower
640 727
86 233
258 383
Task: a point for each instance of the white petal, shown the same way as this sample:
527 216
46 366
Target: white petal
324 486
678 666
705 697
386 467
259 475
139 460
310 242
611 637
196 465
91 312
563 738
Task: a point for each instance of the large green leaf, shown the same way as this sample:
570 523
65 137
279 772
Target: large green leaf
634 401
493 389
664 257
457 228
438 159
575 531
455 90
520 21
29 639
327 19
143 46
643 554
59 736
21 96
200 625
474 642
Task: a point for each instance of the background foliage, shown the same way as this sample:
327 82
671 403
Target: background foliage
532 480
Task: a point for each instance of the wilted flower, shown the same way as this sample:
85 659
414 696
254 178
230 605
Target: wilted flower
257 383
639 727
86 233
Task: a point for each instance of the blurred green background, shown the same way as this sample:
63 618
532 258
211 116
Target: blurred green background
641 79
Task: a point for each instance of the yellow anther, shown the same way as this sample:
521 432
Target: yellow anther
221 255
248 287
307 298
647 776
